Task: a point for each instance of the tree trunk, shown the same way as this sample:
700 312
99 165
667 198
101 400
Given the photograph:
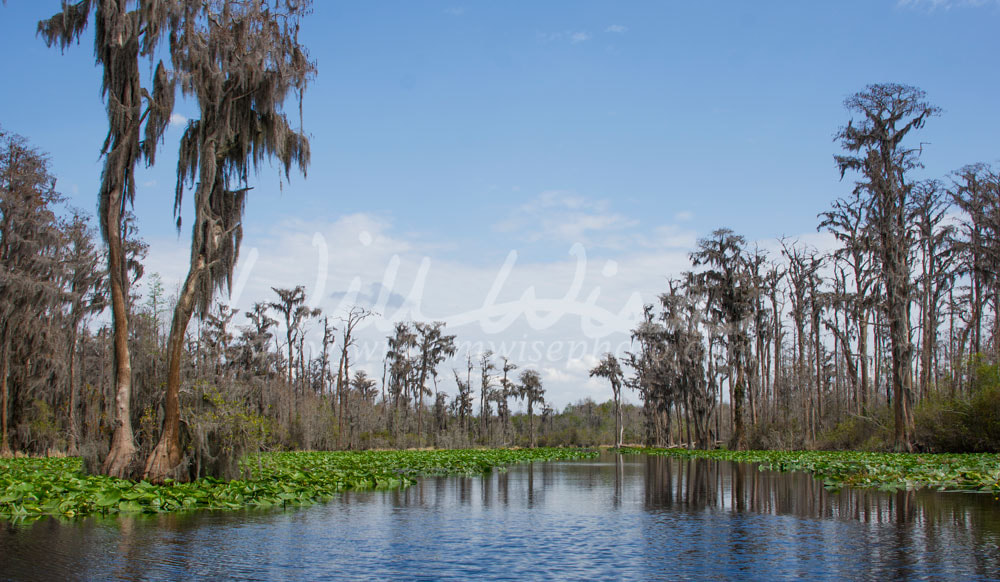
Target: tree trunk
863 358
777 388
818 352
5 451
896 273
339 398
347 383
618 418
420 403
531 427
74 429
164 460
739 391
121 455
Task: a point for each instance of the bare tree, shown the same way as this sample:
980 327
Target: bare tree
929 204
354 317
874 149
848 222
976 191
85 282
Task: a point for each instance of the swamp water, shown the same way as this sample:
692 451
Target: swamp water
617 517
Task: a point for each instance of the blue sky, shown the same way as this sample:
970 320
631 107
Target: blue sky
452 134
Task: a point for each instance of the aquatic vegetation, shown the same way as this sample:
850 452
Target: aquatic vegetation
887 471
32 487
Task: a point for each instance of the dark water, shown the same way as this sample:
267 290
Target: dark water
632 517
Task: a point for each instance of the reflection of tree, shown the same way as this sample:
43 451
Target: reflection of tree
531 485
503 489
616 498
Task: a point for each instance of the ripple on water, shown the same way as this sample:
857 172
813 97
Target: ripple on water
635 518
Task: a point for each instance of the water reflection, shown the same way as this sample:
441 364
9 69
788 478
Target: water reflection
617 517
699 484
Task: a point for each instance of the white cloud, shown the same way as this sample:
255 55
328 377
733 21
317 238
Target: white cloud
617 28
556 316
177 120
671 237
573 37
566 217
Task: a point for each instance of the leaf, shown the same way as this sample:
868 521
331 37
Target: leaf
129 507
109 498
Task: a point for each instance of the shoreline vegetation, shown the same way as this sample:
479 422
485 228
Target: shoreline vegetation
35 487
970 472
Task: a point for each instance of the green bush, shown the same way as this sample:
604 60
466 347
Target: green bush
871 432
221 430
963 423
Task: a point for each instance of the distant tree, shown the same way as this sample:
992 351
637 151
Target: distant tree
532 391
435 347
848 222
486 367
324 367
218 337
802 275
85 281
256 360
156 303
609 368
365 386
929 205
464 400
507 390
400 362
976 191
290 305
354 317
731 293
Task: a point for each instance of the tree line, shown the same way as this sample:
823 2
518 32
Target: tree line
779 349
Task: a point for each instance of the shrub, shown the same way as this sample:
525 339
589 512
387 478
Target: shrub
963 423
221 430
871 432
